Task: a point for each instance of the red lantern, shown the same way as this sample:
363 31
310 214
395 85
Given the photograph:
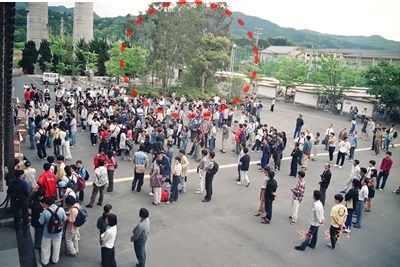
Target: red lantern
207 114
191 116
222 109
146 103
246 89
134 93
160 110
175 115
234 101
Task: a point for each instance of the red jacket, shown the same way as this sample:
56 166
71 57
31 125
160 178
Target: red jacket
386 165
96 160
27 95
48 182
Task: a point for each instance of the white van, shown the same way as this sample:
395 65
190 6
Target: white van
52 78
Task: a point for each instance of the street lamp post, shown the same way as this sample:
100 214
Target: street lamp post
232 64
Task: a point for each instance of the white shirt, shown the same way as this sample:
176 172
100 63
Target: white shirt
355 172
363 193
108 237
344 147
95 127
329 131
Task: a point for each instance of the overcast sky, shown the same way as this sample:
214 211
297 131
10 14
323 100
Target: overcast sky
342 17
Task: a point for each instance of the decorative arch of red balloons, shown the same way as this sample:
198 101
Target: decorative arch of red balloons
183 2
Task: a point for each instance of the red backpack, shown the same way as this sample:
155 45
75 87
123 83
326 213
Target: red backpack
80 184
164 195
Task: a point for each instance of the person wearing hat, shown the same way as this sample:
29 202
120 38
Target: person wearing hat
139 237
64 191
270 195
18 190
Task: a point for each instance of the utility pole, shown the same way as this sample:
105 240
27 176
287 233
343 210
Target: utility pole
257 34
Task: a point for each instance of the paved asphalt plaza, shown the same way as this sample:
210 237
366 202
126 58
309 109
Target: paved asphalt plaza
225 232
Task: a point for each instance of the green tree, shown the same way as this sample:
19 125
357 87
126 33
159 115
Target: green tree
29 57
100 47
45 55
333 78
134 61
384 83
211 55
58 49
291 72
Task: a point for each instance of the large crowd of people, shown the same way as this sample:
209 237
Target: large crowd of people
160 133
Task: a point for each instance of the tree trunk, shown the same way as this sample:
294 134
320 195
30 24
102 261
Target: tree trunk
203 78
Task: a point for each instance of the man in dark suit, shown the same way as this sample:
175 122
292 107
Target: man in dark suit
324 182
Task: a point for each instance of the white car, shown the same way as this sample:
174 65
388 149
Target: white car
52 78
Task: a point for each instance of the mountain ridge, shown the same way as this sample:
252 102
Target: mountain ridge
305 38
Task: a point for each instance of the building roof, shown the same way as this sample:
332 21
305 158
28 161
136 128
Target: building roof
364 53
283 50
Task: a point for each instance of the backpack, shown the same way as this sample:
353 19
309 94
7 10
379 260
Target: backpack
214 169
87 175
71 183
164 195
80 185
395 134
42 139
54 226
81 217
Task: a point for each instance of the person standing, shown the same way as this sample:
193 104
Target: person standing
353 145
344 149
328 132
201 171
108 240
371 189
51 242
210 172
317 219
176 178
339 216
278 150
298 194
272 104
306 153
296 153
354 174
270 195
362 198
225 136
99 183
351 199
18 191
384 172
36 210
72 235
315 146
156 181
331 145
299 124
244 167
111 162
141 161
324 182
48 181
261 207
184 173
139 237
101 221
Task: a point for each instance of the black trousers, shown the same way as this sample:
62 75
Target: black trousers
340 157
209 190
108 257
268 208
335 234
20 207
293 166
